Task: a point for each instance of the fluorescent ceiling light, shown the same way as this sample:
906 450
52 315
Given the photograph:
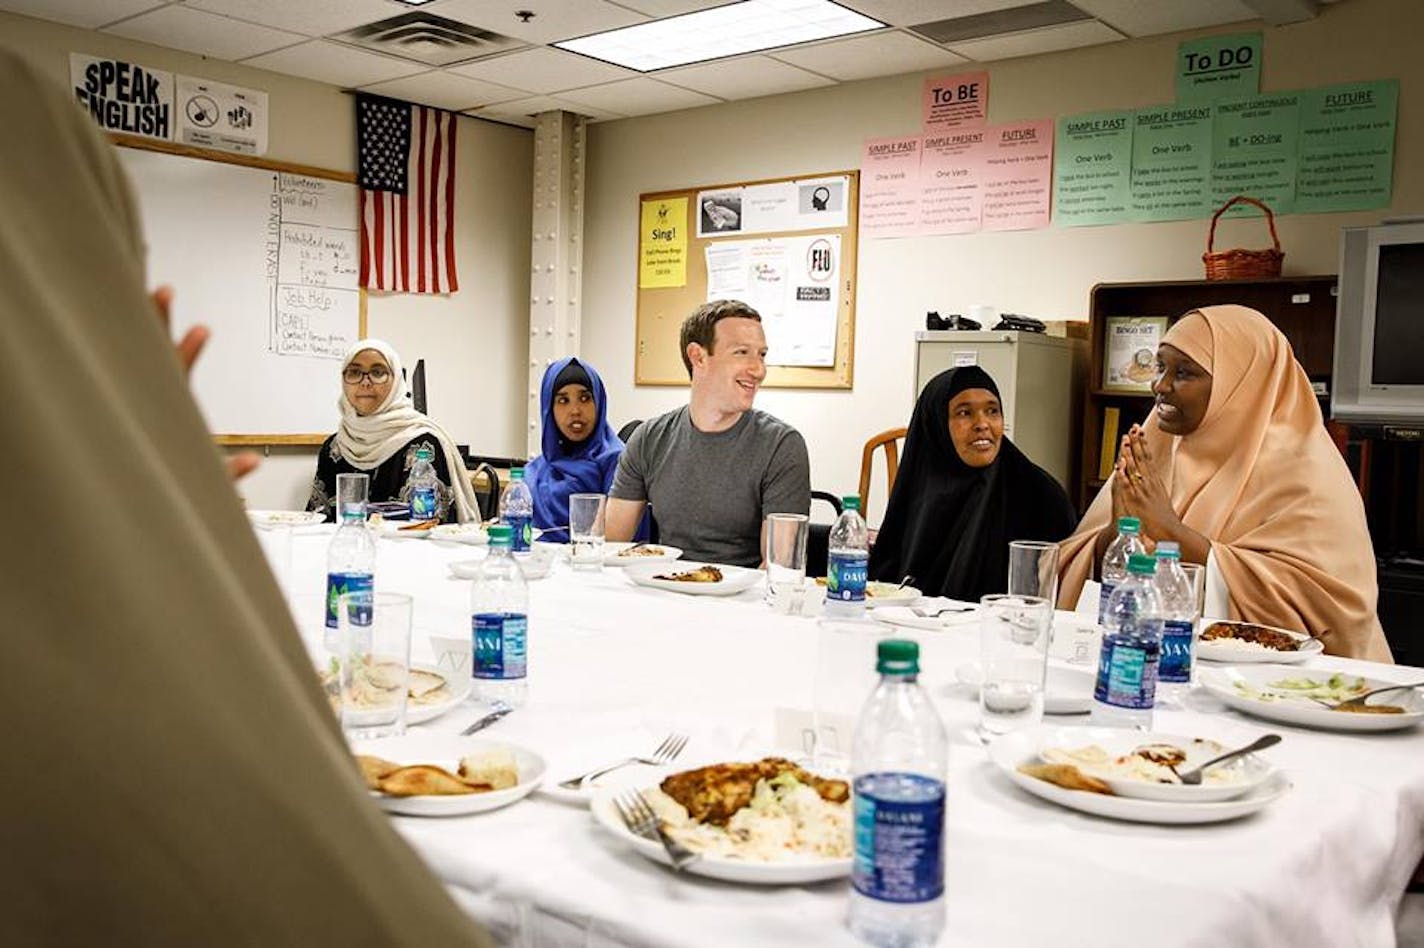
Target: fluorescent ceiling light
746 27
415 3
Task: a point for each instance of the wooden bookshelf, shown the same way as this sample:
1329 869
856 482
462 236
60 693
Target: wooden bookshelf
1303 307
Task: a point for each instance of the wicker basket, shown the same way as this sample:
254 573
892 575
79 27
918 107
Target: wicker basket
1239 264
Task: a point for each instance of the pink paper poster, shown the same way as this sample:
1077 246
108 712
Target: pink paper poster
955 101
890 187
1019 175
953 167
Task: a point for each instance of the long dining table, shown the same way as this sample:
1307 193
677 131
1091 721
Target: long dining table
614 667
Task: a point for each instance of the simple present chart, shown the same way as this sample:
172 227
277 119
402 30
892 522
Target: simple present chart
268 258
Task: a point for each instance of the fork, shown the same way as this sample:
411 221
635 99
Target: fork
1193 777
935 614
665 753
642 821
1360 699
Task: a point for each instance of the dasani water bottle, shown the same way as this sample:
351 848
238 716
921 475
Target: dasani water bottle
1179 609
516 509
848 562
1126 687
351 555
423 485
1126 543
499 624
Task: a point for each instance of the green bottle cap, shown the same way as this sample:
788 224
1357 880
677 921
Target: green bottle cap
516 473
851 502
897 657
1169 550
1128 525
1142 564
424 453
501 534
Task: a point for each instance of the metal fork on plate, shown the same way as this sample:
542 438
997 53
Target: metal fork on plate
936 613
665 753
642 821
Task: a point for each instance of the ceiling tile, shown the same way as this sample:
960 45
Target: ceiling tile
1047 40
444 90
204 33
659 9
542 69
554 20
334 63
641 96
85 13
1136 18
863 57
912 12
744 78
522 111
312 17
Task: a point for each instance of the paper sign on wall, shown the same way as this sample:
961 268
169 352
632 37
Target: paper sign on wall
1346 147
1093 169
952 170
123 96
1254 151
1171 163
955 101
890 187
1219 66
220 116
1019 178
662 259
792 282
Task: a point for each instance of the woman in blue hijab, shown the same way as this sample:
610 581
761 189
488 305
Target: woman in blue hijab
580 449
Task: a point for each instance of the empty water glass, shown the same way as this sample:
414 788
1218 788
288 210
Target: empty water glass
786 561
1033 569
586 526
374 660
1013 651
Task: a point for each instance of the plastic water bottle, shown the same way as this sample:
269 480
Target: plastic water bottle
898 763
1126 689
516 509
423 485
499 624
351 556
848 562
1126 543
1179 609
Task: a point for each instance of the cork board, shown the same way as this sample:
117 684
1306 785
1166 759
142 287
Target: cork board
661 309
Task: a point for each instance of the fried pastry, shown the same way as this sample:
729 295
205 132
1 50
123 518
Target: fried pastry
374 768
423 780
703 574
1066 776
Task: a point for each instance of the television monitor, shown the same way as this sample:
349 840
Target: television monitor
1378 375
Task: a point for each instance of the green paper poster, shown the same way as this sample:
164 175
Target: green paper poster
1092 169
1346 147
1219 66
1254 151
1171 163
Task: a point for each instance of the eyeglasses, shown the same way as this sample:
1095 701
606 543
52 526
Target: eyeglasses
351 375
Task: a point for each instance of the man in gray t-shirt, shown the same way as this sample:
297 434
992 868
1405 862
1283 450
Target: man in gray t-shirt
715 468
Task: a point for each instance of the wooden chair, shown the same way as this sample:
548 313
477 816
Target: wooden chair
890 441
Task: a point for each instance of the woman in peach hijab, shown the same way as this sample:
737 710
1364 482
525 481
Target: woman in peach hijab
1235 465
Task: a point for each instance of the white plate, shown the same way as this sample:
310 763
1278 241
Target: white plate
1228 684
1021 747
445 750
877 594
905 616
1067 691
392 528
613 554
1216 650
471 533
796 872
734 578
457 690
288 518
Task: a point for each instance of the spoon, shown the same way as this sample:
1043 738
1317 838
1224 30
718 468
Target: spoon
1193 777
905 582
1350 704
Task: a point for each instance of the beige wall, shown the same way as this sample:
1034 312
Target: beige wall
1045 273
474 342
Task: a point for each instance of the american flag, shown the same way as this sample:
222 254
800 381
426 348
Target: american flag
406 175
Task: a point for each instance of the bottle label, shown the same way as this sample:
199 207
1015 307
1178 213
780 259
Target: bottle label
1127 673
845 576
522 531
422 503
1176 663
499 645
1103 597
899 843
339 584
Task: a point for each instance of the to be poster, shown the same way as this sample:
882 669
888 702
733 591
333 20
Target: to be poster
662 250
955 101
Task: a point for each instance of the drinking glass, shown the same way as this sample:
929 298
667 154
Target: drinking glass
786 561
586 526
1196 578
1033 569
351 490
1013 653
374 660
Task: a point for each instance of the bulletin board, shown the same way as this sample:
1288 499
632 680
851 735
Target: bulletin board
264 253
662 308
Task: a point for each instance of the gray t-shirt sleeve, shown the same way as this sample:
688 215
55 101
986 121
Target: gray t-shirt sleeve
787 485
629 481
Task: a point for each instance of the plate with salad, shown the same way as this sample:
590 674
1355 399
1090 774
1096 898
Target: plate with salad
1313 697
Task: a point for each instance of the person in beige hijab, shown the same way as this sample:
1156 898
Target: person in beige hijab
174 775
1235 464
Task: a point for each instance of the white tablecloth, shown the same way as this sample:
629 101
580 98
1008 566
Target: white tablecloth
614 667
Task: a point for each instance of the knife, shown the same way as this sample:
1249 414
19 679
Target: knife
486 721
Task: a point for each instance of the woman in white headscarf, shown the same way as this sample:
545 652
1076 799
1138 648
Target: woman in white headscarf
380 434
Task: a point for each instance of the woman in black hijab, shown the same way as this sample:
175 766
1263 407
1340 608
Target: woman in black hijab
963 492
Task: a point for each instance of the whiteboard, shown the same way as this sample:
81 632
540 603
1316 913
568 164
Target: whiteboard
267 258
